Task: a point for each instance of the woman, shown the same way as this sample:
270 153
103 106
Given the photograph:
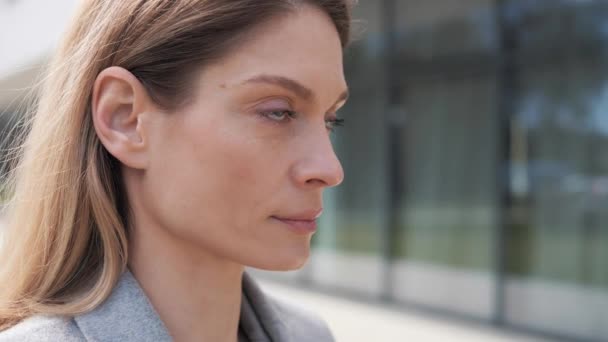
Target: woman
174 143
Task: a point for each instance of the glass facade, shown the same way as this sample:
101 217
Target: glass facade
557 262
447 206
476 175
476 165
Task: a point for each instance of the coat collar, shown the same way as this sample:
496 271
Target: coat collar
128 315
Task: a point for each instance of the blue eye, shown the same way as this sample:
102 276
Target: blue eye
280 115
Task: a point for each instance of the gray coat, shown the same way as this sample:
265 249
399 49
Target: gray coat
127 315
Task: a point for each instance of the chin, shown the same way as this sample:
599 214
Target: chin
283 261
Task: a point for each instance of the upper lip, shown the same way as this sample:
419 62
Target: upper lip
308 215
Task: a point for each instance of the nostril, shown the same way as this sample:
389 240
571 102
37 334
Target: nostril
316 182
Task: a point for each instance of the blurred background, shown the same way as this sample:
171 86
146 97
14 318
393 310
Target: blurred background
475 152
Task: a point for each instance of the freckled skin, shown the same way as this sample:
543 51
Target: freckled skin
221 170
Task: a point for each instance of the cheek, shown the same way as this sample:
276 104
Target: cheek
215 189
212 176
242 157
246 175
231 161
237 167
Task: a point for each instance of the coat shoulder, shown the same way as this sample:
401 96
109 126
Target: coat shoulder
302 324
42 328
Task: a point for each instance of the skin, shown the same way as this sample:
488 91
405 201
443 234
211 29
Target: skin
210 182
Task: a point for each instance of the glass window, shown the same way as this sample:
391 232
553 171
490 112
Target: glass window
448 216
446 37
558 246
558 259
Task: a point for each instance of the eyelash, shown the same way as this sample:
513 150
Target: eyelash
332 124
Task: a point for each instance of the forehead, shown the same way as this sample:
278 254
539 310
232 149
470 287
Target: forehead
303 45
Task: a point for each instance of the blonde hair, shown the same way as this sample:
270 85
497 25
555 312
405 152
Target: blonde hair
66 243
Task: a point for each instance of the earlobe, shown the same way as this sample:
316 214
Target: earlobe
118 105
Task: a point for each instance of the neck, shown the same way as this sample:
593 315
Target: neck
196 294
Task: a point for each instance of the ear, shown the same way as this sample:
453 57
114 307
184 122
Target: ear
119 105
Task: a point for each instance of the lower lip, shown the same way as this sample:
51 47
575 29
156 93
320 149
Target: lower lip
300 226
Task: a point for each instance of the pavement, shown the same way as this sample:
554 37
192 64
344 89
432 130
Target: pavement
352 321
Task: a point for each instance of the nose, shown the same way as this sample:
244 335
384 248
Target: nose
318 165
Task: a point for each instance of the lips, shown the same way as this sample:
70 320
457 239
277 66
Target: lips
301 223
308 215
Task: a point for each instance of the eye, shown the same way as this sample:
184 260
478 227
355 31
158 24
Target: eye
332 124
280 115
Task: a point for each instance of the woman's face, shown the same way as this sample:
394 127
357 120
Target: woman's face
240 171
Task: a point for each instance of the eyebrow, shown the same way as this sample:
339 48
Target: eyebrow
292 85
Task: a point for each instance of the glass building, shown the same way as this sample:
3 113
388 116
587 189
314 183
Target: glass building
476 160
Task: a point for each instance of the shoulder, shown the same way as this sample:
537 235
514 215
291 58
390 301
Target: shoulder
126 315
301 323
41 328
